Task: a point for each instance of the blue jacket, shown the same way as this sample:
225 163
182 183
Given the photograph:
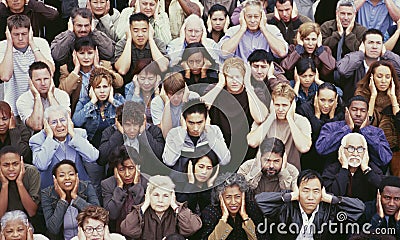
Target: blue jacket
54 208
87 114
47 152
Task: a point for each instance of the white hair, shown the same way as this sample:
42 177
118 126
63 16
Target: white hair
193 17
344 139
346 3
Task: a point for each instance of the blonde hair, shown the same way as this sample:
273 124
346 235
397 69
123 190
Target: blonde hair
308 27
283 90
233 62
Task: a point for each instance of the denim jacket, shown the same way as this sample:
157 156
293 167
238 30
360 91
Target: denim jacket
87 114
54 208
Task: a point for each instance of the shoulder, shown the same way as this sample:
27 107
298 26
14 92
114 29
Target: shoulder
292 169
109 182
38 137
193 95
30 170
80 131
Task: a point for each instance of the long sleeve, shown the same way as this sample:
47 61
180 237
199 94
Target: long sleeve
110 139
155 140
113 197
132 225
188 222
336 179
330 136
174 143
350 63
48 13
221 231
353 207
91 197
214 135
324 54
43 149
84 109
394 59
270 203
80 143
105 45
378 147
54 217
68 81
162 28
19 137
293 56
61 46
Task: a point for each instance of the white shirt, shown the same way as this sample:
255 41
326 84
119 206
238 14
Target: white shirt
308 228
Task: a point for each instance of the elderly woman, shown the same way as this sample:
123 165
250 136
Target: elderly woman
63 200
160 215
309 45
381 87
15 225
93 225
231 213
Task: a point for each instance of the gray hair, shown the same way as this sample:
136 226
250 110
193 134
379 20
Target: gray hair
344 139
228 180
13 216
252 3
346 3
190 18
159 181
52 109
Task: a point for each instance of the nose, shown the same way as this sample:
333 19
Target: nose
15 233
20 37
67 177
126 172
391 202
159 199
280 108
358 113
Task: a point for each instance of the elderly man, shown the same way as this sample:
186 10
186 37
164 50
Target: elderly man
38 12
17 53
193 30
105 18
354 175
270 171
252 33
353 66
287 19
41 95
63 44
59 140
356 120
309 208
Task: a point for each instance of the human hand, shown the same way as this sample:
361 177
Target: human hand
339 25
5 3
212 179
119 126
295 193
319 40
365 160
349 29
111 95
242 211
146 202
58 189
96 61
128 34
372 87
3 179
292 110
81 234
47 129
31 42
362 47
342 158
118 178
8 35
392 91
186 93
365 122
21 174
76 61
136 180
33 89
383 50
71 130
242 20
92 96
190 172
348 119
74 192
379 208
163 95
276 14
316 107
151 32
107 235
333 109
186 68
12 123
295 11
298 39
174 205
263 21
70 25
325 196
206 66
284 161
224 209
272 113
30 232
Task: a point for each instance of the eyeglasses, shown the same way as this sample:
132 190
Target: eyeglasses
54 122
89 230
195 31
351 149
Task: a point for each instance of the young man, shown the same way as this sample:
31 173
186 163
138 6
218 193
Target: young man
59 140
270 171
20 184
252 33
193 136
354 65
284 123
308 212
139 43
17 53
41 95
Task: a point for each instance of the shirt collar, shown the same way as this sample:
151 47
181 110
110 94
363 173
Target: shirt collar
303 213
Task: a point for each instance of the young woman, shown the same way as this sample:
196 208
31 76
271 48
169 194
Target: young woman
145 84
93 225
217 22
231 213
308 44
306 81
198 67
325 106
160 214
15 225
65 199
380 86
201 173
75 79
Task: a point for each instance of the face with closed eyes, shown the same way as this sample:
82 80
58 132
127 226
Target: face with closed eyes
382 78
160 200
203 169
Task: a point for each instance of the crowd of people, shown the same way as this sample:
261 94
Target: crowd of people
194 119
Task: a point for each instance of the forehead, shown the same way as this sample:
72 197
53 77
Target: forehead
65 168
281 100
311 183
373 37
55 115
232 190
80 20
326 93
271 155
92 222
205 161
161 191
15 223
358 104
139 24
148 1
196 55
40 73
195 117
10 157
391 190
281 6
260 63
218 14
253 9
127 163
308 72
234 72
354 140
346 9
382 69
20 30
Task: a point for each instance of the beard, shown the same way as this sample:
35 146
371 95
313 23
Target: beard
268 172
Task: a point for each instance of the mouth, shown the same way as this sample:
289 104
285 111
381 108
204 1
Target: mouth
68 184
233 208
12 175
